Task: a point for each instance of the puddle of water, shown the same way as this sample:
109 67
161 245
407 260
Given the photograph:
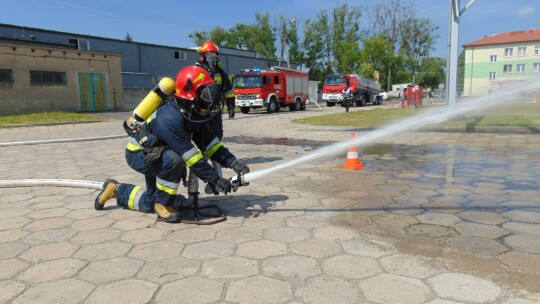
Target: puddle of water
281 141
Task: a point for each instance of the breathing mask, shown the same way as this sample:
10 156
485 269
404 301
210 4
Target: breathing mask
212 60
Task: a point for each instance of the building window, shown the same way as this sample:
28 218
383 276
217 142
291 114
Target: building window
180 55
492 75
521 68
493 58
522 51
508 52
536 67
537 50
507 68
45 78
6 76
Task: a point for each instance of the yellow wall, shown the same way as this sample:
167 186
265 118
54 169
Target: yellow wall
22 97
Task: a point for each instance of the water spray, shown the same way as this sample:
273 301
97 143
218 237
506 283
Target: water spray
428 117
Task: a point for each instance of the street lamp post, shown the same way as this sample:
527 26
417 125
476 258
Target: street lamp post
288 43
453 45
285 43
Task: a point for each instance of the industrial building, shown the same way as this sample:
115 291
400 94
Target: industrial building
46 70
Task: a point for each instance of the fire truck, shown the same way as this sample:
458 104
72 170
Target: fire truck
364 90
271 89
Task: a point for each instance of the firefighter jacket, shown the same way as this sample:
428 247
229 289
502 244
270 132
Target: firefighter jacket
168 126
221 77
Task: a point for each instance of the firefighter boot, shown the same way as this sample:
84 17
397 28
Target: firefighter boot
108 192
166 214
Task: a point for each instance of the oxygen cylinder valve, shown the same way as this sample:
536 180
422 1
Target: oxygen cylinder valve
133 123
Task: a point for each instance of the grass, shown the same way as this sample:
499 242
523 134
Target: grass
46 117
521 114
510 114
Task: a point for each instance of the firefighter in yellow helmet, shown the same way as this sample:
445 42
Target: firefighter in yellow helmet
210 61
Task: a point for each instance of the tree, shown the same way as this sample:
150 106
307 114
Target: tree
128 37
263 37
418 42
296 51
393 47
431 72
389 20
461 71
344 38
375 56
315 46
256 37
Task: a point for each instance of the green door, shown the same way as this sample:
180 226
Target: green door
92 90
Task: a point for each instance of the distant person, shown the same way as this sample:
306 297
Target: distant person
347 92
210 61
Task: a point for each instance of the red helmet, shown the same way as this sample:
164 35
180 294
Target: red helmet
189 79
208 47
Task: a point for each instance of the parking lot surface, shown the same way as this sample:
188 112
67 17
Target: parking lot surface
433 217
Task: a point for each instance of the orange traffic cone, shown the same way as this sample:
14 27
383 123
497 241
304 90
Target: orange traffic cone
353 161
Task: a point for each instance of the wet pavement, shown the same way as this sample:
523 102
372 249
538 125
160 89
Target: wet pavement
433 217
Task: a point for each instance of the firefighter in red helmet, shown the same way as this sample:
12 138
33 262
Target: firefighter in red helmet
162 148
210 61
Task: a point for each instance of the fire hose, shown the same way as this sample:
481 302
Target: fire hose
50 182
54 182
69 182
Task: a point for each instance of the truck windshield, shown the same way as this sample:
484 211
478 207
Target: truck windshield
334 80
247 81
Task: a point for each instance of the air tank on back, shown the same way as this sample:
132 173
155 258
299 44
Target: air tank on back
153 100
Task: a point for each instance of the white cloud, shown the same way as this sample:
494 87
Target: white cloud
525 12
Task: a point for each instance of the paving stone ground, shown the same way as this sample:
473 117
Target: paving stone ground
433 217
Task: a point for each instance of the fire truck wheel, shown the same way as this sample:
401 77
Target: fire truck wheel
272 106
296 106
362 101
244 110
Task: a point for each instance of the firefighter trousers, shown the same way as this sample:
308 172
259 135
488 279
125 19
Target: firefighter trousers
163 176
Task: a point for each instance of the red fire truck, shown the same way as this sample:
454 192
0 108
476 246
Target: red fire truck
272 89
364 90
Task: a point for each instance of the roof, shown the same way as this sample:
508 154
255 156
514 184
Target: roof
508 37
222 50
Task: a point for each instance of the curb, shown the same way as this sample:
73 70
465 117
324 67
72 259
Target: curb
49 124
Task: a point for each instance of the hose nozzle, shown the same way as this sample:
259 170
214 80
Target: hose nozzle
238 181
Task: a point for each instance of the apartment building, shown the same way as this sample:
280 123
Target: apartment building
496 61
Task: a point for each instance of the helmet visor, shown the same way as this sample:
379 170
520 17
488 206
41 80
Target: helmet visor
209 96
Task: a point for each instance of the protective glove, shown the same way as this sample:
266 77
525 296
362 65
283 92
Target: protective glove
154 153
236 184
219 184
239 168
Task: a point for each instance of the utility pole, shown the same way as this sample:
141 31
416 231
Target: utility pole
455 14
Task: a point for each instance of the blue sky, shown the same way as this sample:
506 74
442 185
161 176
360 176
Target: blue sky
169 22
